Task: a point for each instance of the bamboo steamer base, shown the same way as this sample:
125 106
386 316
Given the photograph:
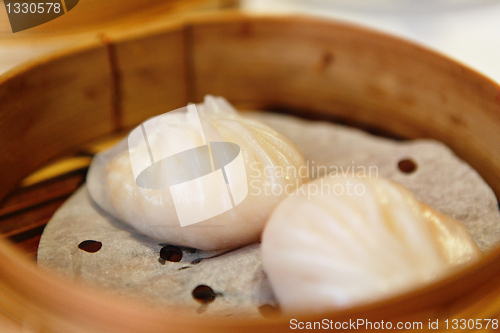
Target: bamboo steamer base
310 67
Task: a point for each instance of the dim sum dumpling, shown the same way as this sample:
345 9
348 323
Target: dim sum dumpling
188 188
345 241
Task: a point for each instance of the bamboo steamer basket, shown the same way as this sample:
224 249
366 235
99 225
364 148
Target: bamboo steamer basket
310 67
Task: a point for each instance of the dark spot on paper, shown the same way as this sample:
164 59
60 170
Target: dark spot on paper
184 267
204 294
171 253
269 311
90 246
407 166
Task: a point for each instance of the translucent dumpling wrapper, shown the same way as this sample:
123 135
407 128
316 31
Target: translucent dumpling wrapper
197 177
345 241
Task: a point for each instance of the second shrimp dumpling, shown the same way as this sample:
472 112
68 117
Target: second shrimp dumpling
197 177
341 242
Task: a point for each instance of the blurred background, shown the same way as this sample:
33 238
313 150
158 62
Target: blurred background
466 30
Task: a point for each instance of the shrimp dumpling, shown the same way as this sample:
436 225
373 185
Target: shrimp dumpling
197 177
340 242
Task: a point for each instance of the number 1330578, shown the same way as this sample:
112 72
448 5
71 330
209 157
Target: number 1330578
25 8
461 324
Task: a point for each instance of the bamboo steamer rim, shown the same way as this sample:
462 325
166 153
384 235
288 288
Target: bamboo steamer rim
51 303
